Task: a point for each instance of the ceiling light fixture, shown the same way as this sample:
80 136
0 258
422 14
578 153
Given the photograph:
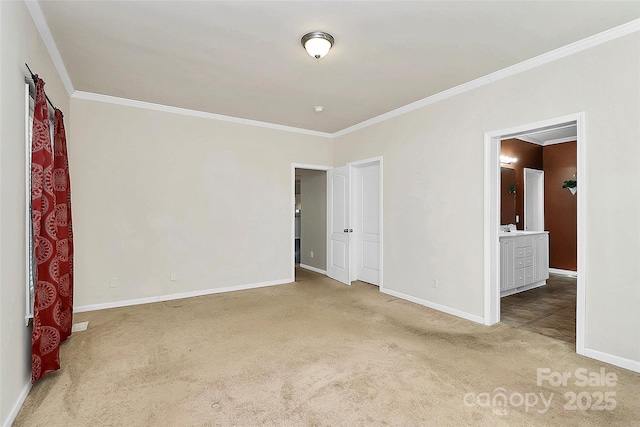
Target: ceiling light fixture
318 108
317 43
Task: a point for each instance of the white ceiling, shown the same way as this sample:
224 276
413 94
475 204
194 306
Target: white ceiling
244 59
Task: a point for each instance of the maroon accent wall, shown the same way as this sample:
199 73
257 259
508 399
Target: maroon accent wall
559 163
560 206
529 156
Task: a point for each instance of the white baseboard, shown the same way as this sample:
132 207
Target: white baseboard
632 365
147 300
439 307
565 272
317 270
18 405
522 289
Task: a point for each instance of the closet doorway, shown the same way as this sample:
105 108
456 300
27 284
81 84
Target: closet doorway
354 240
309 218
352 229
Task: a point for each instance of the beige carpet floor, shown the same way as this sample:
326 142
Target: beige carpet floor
317 353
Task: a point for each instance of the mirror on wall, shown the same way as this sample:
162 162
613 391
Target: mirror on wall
507 196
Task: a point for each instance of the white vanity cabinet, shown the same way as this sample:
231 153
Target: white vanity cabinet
524 261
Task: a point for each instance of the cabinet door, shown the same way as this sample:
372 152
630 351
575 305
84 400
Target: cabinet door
519 277
507 247
528 275
541 257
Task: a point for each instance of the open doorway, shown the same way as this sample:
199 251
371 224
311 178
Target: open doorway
355 222
309 218
545 209
494 262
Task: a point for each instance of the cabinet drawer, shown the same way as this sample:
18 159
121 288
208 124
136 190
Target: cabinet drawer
519 276
528 251
523 262
524 241
519 252
528 276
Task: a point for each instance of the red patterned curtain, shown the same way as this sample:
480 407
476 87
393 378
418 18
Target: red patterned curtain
62 191
52 235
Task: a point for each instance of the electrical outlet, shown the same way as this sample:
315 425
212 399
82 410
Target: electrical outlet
173 276
259 267
113 282
434 283
79 327
311 254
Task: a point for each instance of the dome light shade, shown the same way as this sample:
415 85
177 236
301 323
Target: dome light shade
317 43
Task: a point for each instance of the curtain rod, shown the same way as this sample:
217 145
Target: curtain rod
35 80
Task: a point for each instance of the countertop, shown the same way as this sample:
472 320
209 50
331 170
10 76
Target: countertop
520 233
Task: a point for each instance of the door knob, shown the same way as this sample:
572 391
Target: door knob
351 230
345 230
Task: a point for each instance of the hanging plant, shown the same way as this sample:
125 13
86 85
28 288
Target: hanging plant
571 185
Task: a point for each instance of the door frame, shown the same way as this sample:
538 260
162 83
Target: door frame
292 205
354 256
354 164
539 191
492 218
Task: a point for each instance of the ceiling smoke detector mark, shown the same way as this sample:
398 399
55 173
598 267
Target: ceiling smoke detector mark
79 327
318 108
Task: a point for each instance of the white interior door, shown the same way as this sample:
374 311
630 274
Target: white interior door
533 199
338 197
368 223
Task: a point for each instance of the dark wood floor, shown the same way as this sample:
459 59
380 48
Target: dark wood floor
549 310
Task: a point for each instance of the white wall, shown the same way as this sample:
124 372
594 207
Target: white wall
156 192
433 185
19 43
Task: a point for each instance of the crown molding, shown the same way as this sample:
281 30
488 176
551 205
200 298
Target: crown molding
545 58
528 139
45 33
560 140
465 87
89 96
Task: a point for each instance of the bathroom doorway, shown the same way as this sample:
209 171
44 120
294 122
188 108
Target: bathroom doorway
548 310
493 212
